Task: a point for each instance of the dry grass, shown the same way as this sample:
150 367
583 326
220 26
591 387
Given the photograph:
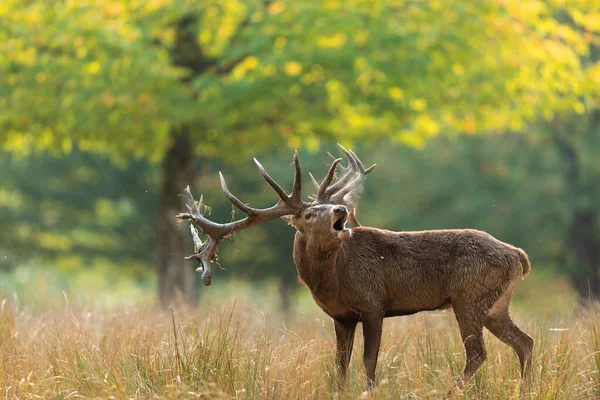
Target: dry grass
233 350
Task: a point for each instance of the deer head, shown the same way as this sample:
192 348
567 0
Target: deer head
323 225
322 219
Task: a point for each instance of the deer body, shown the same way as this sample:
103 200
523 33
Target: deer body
402 273
367 274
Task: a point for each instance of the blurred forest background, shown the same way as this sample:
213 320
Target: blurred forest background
480 114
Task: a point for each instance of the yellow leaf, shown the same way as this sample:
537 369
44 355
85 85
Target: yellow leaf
81 52
45 138
411 139
292 68
152 5
113 9
426 125
361 37
276 7
205 37
40 77
280 42
312 143
294 142
396 93
333 41
27 57
67 145
469 124
93 68
458 69
251 63
418 104
332 5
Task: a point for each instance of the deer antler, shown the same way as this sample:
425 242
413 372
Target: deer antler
343 191
347 188
205 253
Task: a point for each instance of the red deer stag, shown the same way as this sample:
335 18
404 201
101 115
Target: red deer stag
367 274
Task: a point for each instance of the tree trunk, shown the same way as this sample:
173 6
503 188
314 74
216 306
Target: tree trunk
286 292
176 276
586 248
583 241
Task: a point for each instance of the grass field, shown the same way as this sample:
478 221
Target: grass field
239 346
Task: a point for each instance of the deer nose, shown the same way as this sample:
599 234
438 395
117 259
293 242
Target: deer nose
340 211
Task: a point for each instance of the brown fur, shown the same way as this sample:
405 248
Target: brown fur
367 274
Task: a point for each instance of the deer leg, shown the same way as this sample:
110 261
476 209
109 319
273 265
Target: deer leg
344 333
372 335
470 321
501 326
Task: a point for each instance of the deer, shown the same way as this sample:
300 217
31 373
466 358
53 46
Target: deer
363 275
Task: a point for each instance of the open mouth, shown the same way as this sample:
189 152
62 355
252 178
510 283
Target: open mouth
338 225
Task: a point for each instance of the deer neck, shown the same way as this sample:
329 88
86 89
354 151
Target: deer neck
317 268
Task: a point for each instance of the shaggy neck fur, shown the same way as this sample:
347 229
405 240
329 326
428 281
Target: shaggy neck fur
317 266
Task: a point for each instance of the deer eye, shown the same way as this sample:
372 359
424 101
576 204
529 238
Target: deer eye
307 216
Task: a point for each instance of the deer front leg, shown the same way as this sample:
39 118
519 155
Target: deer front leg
372 335
344 333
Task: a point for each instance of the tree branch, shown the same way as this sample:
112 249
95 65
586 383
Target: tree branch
226 66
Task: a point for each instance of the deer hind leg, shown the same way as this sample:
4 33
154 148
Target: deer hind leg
505 329
500 324
471 317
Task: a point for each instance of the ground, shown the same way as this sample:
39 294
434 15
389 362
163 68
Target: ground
236 345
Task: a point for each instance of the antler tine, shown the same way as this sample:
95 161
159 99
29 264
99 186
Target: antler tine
202 254
191 203
349 171
197 215
314 181
195 238
371 168
236 202
362 167
282 195
359 163
350 155
201 207
204 257
358 179
341 167
205 253
333 158
297 185
325 183
356 182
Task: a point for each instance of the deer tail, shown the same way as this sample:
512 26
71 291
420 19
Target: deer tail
525 263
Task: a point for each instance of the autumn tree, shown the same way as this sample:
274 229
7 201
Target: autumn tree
172 80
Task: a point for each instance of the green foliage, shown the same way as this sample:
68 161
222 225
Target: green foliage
78 210
81 210
247 76
112 75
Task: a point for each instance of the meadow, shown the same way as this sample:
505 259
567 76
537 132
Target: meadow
236 344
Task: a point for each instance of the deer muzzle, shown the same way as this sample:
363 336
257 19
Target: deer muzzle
340 215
